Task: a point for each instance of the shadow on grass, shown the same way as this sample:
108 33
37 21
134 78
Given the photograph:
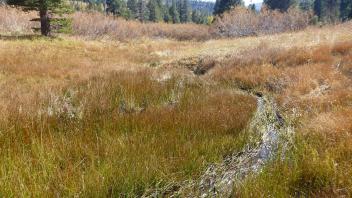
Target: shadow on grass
29 37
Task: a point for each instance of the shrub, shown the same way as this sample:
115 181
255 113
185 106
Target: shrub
243 22
96 25
15 21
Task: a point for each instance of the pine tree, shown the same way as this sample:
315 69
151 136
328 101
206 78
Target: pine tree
331 10
155 14
45 8
282 5
166 13
185 11
252 7
345 10
132 6
217 7
317 8
142 11
224 5
327 10
306 5
199 17
118 8
174 12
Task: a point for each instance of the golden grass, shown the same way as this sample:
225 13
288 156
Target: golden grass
91 118
313 86
117 135
83 118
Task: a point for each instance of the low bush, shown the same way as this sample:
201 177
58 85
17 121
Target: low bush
15 21
243 22
97 25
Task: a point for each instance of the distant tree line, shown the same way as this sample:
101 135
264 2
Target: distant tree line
168 11
173 11
325 10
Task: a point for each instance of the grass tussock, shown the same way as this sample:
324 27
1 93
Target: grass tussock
313 87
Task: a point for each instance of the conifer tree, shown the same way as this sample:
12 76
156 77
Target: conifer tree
155 13
118 8
132 6
331 10
306 5
327 10
217 7
282 5
142 11
252 7
346 10
224 5
45 8
185 11
317 8
166 14
174 12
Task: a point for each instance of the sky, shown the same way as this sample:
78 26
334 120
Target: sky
247 2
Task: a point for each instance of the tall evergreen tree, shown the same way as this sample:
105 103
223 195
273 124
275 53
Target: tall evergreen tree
327 10
118 8
346 10
318 8
282 5
199 17
252 7
132 6
185 11
216 7
155 13
45 8
166 15
142 11
224 5
175 15
306 5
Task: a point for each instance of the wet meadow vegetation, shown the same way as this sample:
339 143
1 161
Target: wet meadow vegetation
98 114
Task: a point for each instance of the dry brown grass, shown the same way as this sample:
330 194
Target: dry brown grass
93 118
15 21
313 86
116 135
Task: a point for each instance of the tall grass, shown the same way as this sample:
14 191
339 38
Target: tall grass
78 122
313 87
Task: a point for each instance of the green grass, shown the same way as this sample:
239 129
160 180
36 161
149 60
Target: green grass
118 135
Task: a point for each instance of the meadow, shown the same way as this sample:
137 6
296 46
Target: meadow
99 117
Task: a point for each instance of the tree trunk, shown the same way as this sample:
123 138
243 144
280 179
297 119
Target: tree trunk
44 22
